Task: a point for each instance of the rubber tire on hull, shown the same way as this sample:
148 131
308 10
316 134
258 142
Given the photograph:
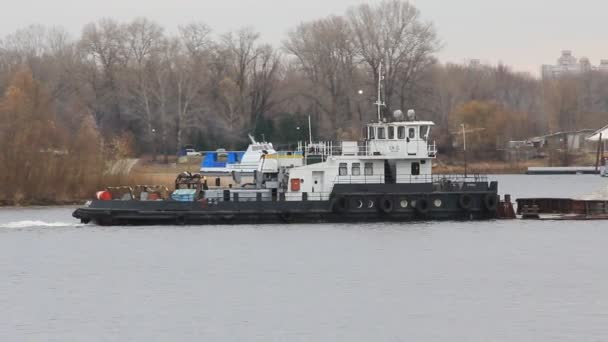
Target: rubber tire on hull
105 221
338 205
490 202
228 218
422 206
286 216
385 204
465 201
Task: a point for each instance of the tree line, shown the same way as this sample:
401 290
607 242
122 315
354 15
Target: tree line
138 82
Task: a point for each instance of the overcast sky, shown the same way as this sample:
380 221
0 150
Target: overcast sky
520 33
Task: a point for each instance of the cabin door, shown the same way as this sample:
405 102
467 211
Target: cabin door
412 141
318 184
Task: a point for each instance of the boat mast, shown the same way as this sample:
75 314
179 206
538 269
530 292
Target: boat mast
309 130
379 103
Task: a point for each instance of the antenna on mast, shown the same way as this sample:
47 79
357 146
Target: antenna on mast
380 103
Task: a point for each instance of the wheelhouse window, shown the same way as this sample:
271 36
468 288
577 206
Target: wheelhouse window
391 133
369 169
381 133
371 134
401 132
356 169
343 169
415 169
412 133
424 132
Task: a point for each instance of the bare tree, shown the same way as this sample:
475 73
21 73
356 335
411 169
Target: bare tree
325 53
103 44
143 40
392 33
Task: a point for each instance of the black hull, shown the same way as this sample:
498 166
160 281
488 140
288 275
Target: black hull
345 206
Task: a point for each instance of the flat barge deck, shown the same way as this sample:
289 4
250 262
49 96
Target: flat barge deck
562 209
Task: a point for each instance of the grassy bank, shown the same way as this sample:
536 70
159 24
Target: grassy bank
149 172
487 167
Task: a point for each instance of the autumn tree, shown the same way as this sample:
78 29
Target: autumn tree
30 139
488 126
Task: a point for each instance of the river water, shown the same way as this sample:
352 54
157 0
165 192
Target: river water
454 281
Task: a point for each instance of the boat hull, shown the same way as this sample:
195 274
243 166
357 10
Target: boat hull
342 207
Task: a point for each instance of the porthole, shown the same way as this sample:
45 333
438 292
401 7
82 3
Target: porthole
403 203
370 204
437 203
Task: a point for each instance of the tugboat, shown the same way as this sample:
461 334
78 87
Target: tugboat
386 177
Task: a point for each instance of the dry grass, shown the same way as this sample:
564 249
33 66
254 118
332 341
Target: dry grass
487 167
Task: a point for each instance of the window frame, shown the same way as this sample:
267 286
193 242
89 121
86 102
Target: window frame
427 131
381 133
401 133
368 169
343 169
411 133
355 166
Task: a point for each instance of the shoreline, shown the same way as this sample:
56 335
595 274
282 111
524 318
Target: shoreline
164 174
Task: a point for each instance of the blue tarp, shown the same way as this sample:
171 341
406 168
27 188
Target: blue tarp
210 159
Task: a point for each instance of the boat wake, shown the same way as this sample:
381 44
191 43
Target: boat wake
36 224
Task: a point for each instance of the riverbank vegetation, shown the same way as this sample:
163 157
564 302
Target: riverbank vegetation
72 102
44 160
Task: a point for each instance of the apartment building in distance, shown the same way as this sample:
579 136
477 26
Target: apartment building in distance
568 64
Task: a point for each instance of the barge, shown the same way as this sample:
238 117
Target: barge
562 209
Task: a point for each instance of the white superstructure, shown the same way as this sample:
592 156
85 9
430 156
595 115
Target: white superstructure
393 153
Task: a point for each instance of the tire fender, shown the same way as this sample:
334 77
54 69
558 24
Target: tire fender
465 201
490 202
422 206
386 205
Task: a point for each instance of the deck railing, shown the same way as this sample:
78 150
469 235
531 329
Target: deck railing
408 178
363 148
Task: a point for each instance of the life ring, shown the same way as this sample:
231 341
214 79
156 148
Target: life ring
358 204
386 205
490 201
338 204
465 201
422 206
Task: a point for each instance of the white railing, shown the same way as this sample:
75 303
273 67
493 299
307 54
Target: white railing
363 148
408 178
432 149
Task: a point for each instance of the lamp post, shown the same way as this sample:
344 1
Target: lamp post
154 152
298 135
464 147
